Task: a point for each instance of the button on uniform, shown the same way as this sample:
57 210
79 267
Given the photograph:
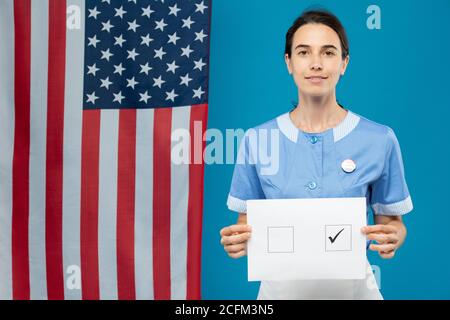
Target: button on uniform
313 139
312 185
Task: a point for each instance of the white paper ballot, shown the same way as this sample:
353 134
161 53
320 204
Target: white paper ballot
294 239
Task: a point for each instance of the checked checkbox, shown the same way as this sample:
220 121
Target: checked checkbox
338 237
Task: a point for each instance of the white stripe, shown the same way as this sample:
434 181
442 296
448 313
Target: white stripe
179 192
107 204
38 136
235 204
143 232
393 209
6 144
72 155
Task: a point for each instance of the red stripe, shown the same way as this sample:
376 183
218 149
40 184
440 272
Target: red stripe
125 204
21 156
199 113
89 204
161 202
54 165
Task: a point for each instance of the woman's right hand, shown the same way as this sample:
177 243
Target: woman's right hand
234 239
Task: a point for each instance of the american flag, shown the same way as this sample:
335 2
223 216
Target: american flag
91 205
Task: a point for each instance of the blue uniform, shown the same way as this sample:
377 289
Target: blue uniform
309 165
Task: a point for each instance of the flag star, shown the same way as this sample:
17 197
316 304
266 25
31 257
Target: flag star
119 40
159 53
107 26
119 69
106 83
144 96
172 66
108 1
120 12
158 82
93 41
132 54
106 54
145 68
160 24
92 97
93 13
133 25
118 97
132 83
146 40
200 7
200 35
198 93
92 69
187 22
186 51
132 1
147 11
199 64
171 95
173 38
174 10
185 80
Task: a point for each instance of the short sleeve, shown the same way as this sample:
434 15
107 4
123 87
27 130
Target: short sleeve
245 184
389 193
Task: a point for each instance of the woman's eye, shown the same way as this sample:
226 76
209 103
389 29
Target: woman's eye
302 53
329 53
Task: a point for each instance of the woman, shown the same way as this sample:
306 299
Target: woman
325 150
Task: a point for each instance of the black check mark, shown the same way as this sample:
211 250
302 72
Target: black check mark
334 239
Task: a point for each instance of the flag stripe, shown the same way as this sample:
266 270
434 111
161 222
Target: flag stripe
161 203
107 210
55 131
89 204
7 119
38 124
125 204
179 185
144 208
21 157
195 206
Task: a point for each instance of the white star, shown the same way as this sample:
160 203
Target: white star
198 93
171 95
174 10
187 22
160 24
172 66
147 11
108 1
200 7
185 80
106 83
146 40
92 69
132 1
132 54
119 41
159 53
118 97
144 96
133 25
145 68
120 12
199 36
106 54
132 83
92 97
173 38
199 64
107 26
93 13
93 41
119 69
158 82
186 51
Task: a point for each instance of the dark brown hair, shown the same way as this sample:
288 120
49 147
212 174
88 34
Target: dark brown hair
321 16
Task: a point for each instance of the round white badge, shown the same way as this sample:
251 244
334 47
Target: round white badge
348 165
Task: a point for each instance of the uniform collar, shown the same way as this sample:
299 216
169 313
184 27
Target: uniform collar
346 126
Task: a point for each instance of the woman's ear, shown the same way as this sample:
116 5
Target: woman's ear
345 64
288 63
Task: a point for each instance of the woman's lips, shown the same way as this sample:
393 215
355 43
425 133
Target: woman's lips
316 80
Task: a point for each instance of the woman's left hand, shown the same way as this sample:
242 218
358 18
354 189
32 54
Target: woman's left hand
387 236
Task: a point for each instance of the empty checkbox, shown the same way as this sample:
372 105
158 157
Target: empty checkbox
280 239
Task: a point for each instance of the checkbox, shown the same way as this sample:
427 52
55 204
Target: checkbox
338 237
280 239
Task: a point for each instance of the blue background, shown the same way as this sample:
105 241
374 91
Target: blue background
398 76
